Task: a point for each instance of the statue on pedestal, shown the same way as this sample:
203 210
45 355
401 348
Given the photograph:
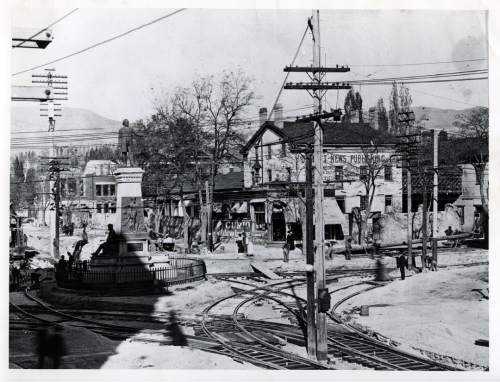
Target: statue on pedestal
125 142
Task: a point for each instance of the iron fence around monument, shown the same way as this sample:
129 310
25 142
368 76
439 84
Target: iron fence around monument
180 270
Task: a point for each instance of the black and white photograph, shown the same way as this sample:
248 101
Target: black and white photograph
249 189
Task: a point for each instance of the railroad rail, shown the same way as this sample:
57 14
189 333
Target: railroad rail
353 346
258 342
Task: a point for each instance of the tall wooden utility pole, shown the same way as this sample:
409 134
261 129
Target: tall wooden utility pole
319 259
317 294
57 89
435 201
407 117
435 185
424 220
311 309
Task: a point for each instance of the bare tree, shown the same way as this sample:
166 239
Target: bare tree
474 128
369 174
224 102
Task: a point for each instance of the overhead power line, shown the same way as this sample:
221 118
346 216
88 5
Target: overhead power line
101 42
426 76
420 63
421 82
47 27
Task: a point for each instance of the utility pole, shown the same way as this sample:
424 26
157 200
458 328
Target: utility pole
435 198
57 89
424 220
317 299
319 260
407 117
54 175
435 184
311 309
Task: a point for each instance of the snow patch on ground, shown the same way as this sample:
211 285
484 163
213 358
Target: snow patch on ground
193 300
137 355
434 311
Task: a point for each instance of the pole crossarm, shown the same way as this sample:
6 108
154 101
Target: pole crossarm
317 86
335 114
317 69
26 38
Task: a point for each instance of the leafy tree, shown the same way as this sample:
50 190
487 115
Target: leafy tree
17 184
394 109
383 121
353 105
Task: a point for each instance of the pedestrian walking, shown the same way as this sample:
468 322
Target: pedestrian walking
250 248
286 253
290 240
402 263
348 247
16 275
239 243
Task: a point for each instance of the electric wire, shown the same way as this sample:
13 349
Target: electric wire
101 42
44 29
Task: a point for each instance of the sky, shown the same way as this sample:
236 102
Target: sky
121 79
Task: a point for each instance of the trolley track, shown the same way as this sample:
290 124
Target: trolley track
245 340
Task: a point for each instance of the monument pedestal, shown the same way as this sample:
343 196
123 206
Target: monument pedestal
130 228
130 213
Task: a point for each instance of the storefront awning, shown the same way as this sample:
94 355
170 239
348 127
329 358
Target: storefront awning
258 200
243 209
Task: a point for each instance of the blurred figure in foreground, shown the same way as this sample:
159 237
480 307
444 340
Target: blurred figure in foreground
174 331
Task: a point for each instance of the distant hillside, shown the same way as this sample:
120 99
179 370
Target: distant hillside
438 119
86 127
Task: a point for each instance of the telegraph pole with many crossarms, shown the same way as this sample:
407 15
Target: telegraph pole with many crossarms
317 293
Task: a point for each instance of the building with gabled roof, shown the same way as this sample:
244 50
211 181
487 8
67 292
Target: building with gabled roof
274 176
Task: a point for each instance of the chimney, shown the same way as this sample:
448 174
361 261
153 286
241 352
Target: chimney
262 115
278 115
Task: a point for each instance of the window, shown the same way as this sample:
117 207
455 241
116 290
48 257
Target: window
98 190
289 174
363 202
283 150
388 200
388 173
363 172
339 173
99 208
333 232
328 192
269 175
112 189
269 152
341 203
105 190
260 213
112 208
106 208
255 177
